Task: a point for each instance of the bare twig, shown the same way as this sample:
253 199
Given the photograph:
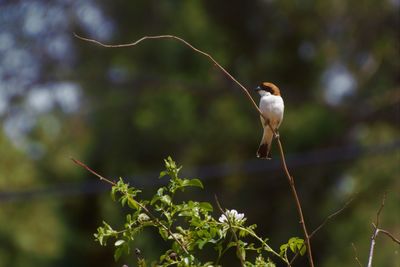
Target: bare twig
378 214
143 207
396 240
290 178
375 232
297 200
356 255
330 217
327 219
93 172
378 230
239 254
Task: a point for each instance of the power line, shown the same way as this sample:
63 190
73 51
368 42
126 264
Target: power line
318 157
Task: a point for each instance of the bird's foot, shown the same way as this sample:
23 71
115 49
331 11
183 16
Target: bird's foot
276 134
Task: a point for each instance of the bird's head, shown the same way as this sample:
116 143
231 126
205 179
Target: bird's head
267 88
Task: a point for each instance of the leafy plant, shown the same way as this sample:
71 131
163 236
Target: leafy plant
188 226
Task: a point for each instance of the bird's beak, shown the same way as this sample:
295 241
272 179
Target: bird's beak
258 88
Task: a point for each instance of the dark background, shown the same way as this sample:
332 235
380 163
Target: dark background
122 111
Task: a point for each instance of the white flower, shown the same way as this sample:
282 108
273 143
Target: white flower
233 216
143 217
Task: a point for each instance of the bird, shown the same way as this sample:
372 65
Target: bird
272 108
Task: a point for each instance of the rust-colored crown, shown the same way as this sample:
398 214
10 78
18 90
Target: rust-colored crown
270 87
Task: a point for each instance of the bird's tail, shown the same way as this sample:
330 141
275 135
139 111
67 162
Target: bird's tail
264 150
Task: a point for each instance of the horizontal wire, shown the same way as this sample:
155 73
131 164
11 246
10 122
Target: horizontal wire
207 172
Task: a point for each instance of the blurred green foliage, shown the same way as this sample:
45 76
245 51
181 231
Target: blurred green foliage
122 110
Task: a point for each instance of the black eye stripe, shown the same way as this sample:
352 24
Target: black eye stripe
267 88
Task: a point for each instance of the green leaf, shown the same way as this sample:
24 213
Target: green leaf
270 264
196 222
132 203
123 200
113 191
214 231
118 253
162 174
166 199
185 213
201 243
154 199
206 206
231 244
303 250
283 248
241 253
163 233
300 243
293 246
192 182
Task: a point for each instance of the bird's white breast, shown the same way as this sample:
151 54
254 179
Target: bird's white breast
272 107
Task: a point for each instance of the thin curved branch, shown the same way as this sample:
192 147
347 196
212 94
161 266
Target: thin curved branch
298 203
168 36
289 177
396 240
326 220
330 217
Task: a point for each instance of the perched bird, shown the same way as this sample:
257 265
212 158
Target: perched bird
272 107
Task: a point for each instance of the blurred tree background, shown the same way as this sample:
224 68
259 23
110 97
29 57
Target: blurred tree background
122 111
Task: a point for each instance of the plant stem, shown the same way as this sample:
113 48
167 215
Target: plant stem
147 211
297 200
262 242
242 261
